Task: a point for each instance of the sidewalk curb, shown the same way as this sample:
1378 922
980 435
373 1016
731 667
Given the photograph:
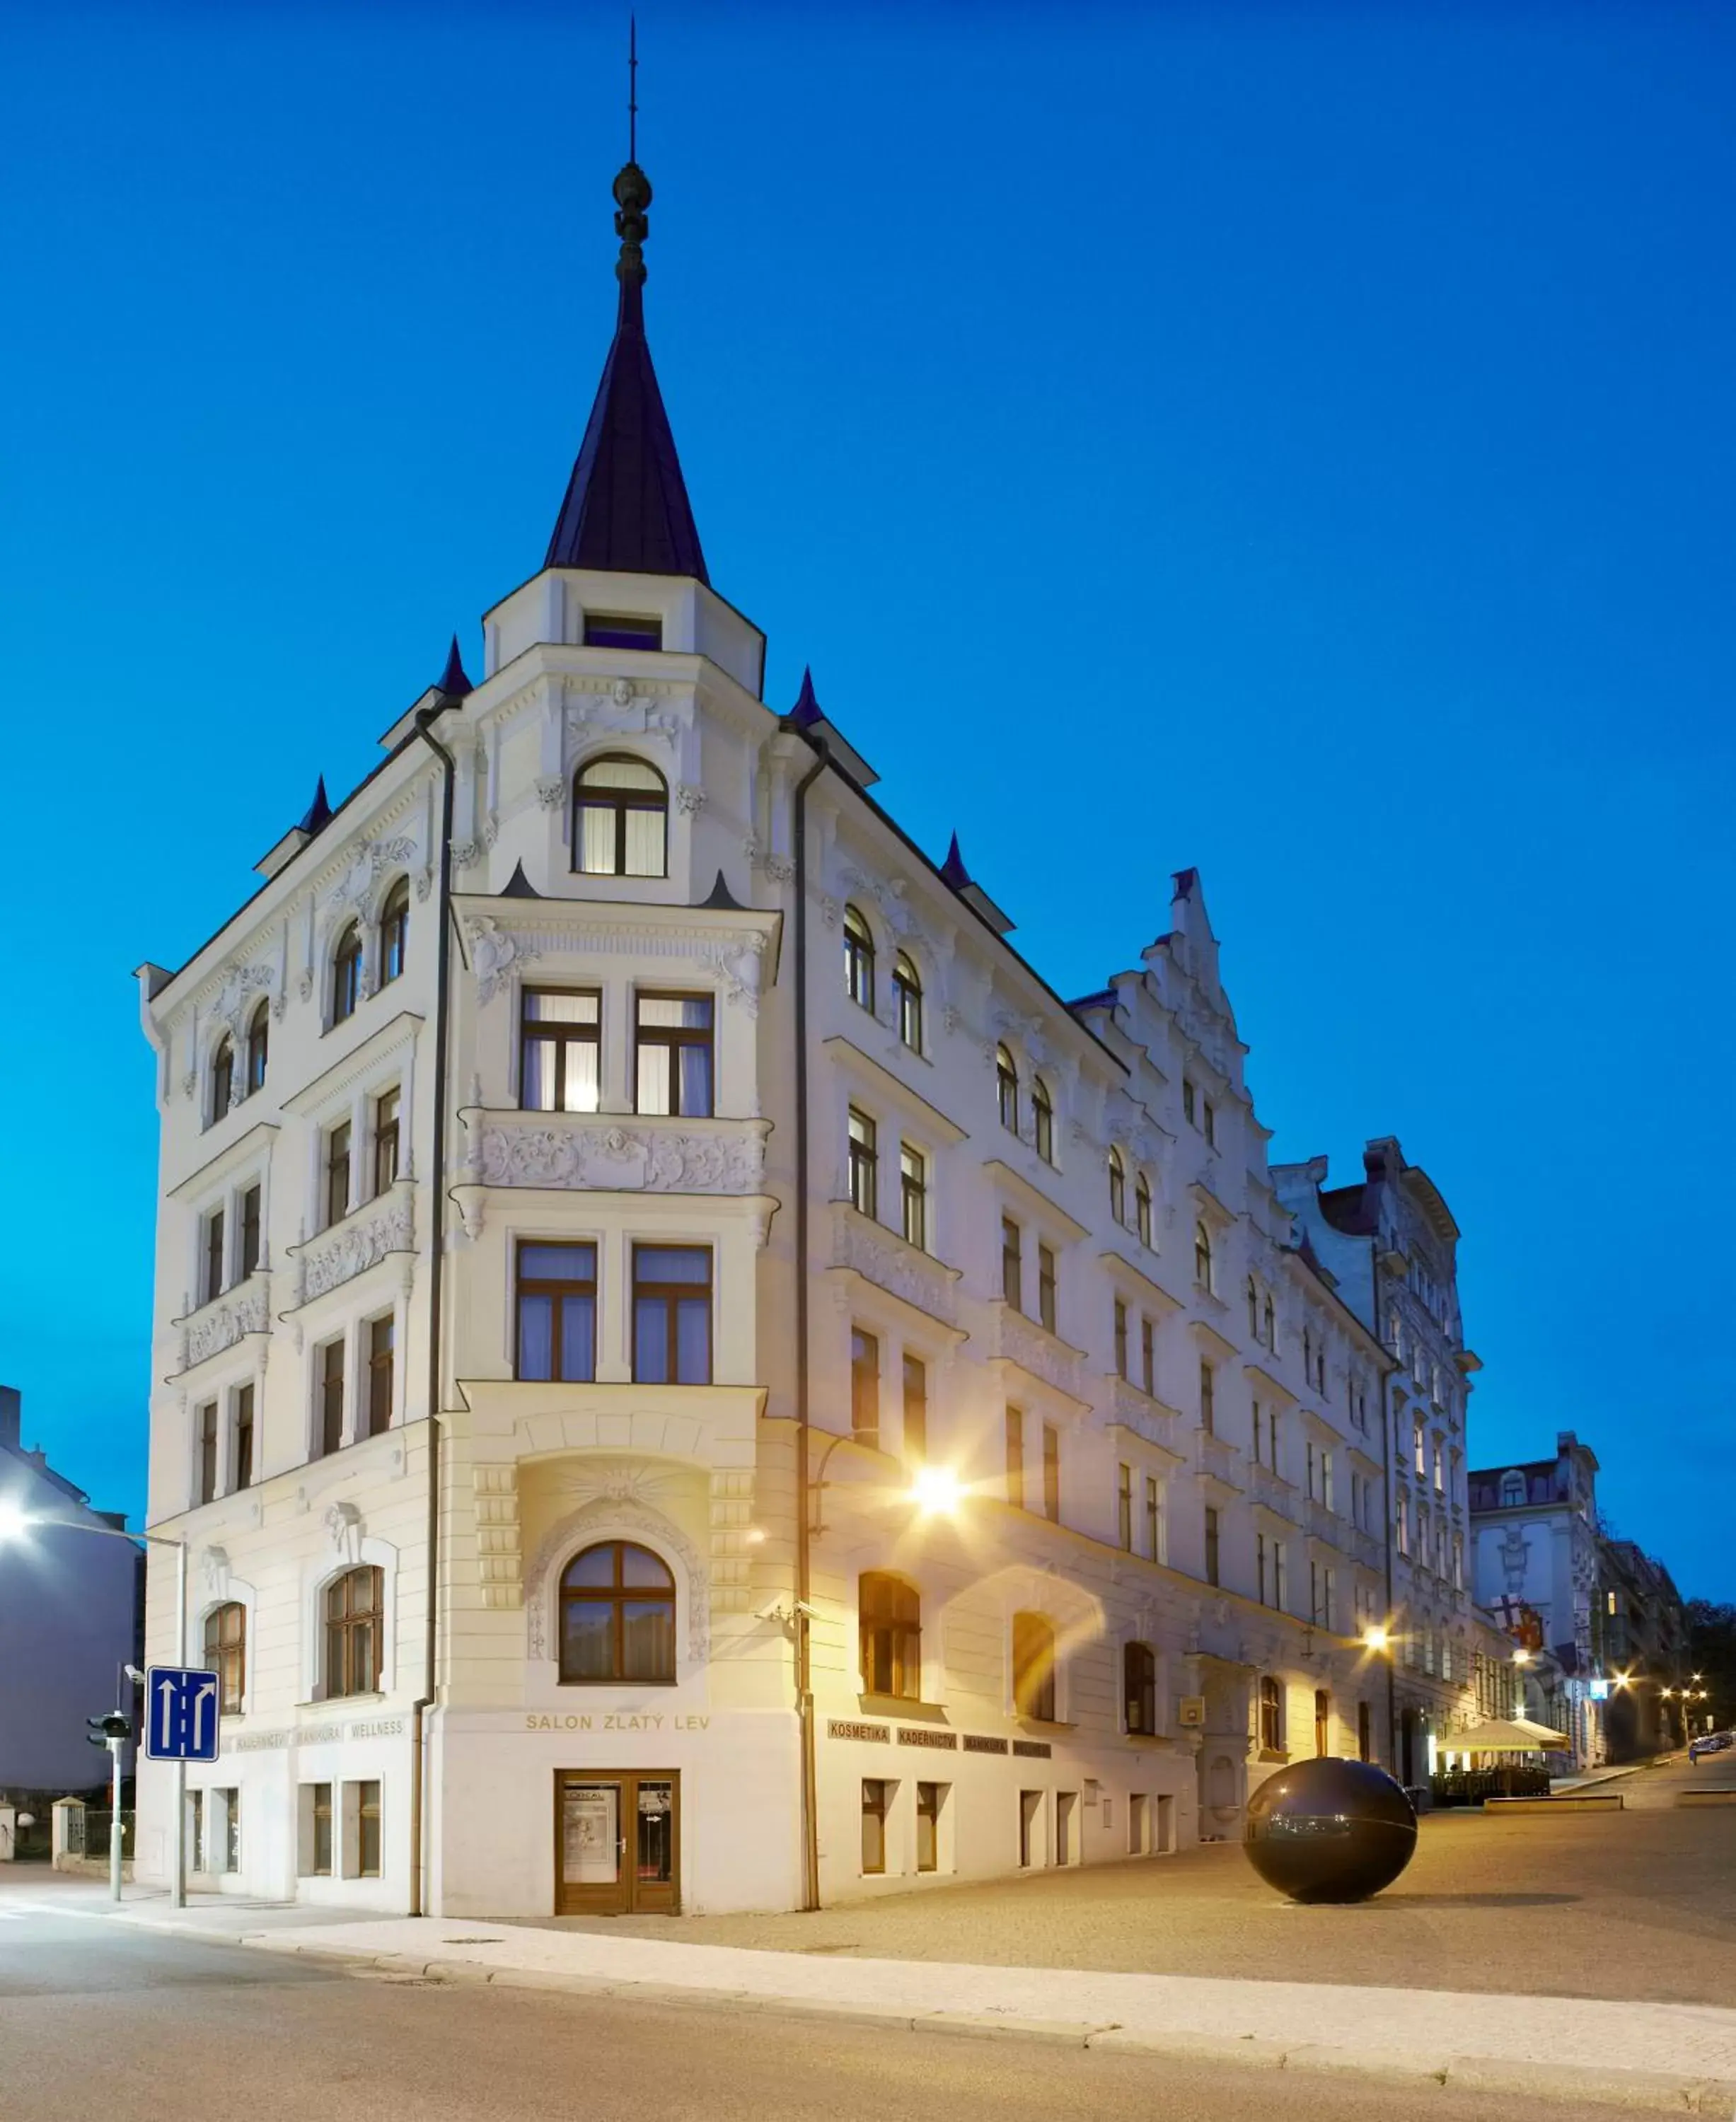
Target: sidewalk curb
1656 2092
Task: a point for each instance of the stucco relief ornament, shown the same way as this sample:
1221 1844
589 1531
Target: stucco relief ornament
345 1529
621 692
464 853
779 868
215 1564
494 952
689 799
551 790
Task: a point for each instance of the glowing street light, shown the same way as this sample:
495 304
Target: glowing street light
1522 1657
936 1490
1375 1639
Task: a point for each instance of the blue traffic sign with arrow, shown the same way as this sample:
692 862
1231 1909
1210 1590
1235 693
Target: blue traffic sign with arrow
180 1714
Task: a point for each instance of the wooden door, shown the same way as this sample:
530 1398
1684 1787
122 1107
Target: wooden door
617 1845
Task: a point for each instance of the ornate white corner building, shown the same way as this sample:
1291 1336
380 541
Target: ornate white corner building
695 1380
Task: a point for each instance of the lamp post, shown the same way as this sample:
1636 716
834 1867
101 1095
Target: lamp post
1379 1641
17 1524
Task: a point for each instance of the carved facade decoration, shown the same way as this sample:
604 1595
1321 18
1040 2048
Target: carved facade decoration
224 1321
889 1264
357 1243
727 1158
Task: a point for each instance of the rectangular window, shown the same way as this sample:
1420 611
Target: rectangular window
1137 1845
212 1270
559 1064
865 1388
1016 1457
1261 1567
1189 1101
1364 1733
913 1188
671 1314
368 1830
241 1466
930 1798
1402 1513
1420 1449
1030 1828
1311 1458
1046 1286
1124 1507
1328 1490
556 1312
874 1791
864 1161
1120 1339
1051 1473
380 1340
915 1409
1280 1577
208 1452
1259 1439
196 1830
230 1802
1322 1720
1207 1400
1209 1120
1441 1471
1148 1356
673 1064
331 1397
614 630
1153 1519
385 1140
250 1233
316 1841
1012 1264
337 1173
1211 1544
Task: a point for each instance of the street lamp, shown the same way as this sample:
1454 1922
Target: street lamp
936 1491
17 1524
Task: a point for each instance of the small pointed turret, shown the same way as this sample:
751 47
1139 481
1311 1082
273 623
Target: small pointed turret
453 681
626 510
319 811
953 870
808 710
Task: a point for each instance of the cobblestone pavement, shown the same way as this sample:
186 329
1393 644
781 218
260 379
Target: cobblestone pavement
1638 1905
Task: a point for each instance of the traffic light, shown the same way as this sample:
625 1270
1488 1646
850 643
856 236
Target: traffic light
112 1724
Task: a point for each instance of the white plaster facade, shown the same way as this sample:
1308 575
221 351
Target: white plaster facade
1167 1343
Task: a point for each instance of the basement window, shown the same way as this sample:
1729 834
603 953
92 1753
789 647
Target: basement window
613 629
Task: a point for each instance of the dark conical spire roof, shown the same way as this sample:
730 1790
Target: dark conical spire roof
953 870
319 811
453 682
808 710
626 509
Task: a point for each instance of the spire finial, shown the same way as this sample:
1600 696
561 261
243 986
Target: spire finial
632 88
631 187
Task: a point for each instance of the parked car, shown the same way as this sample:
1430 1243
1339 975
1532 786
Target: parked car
1712 1742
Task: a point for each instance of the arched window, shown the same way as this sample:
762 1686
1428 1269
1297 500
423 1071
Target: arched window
617 1617
259 1041
858 959
1140 1688
346 974
1202 1256
394 930
1117 1187
1042 1118
1006 1089
355 1622
1512 1491
908 987
1253 1309
225 1655
1033 1667
1142 1209
891 1612
222 1078
620 818
1271 1715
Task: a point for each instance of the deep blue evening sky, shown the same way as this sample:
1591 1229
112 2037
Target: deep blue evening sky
1296 442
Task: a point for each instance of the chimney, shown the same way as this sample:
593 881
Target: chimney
11 1415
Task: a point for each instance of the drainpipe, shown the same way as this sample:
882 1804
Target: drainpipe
804 1646
421 1865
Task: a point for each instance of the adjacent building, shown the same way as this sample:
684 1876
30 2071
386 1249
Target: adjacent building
1535 1568
1391 1245
1642 1636
73 1605
692 1377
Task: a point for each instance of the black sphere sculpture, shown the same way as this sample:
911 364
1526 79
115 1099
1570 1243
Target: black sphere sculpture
1330 1831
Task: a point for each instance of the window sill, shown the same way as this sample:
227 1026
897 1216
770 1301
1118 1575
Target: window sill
910 1707
1276 1754
342 1701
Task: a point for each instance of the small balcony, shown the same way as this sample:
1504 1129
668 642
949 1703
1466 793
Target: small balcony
1145 1415
1217 1461
882 1256
1043 1355
366 1236
1275 1493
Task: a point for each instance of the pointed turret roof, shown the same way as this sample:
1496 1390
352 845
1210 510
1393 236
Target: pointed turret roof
626 510
808 710
453 681
319 811
953 870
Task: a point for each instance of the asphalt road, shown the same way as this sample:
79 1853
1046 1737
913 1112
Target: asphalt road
1639 1905
97 2018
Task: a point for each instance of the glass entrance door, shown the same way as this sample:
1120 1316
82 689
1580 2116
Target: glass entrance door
617 1842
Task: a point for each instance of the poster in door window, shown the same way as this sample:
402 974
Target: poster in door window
655 1831
590 1833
